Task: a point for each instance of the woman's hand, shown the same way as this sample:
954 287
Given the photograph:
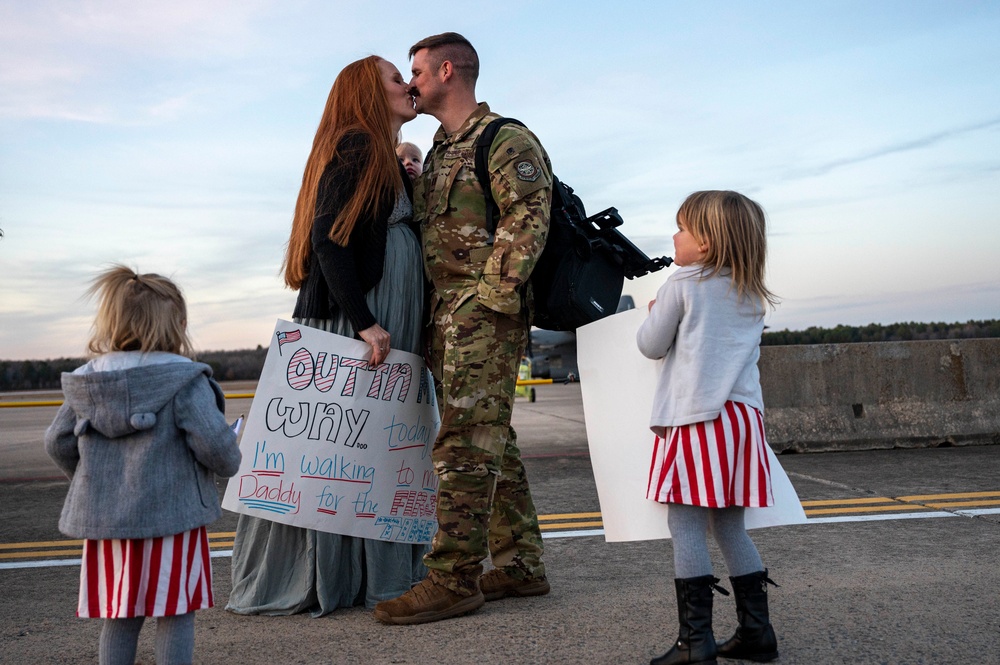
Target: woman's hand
378 338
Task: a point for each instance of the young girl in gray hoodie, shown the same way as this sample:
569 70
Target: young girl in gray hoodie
141 435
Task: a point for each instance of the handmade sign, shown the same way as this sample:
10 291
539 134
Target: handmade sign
334 444
618 384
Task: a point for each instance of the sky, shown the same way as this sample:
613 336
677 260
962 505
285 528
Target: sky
172 137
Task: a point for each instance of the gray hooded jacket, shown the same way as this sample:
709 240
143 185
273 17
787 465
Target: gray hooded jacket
140 447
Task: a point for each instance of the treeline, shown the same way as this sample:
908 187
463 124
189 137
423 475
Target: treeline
896 332
245 365
242 365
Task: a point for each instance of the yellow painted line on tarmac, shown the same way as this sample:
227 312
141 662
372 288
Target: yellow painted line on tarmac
36 553
43 543
64 548
222 540
58 402
567 525
865 509
959 495
915 502
845 502
568 516
967 504
569 521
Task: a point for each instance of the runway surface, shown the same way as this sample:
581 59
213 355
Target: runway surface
896 564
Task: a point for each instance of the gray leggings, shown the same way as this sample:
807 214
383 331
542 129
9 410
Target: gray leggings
174 640
689 527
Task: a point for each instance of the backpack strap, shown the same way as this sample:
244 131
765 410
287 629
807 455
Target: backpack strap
484 146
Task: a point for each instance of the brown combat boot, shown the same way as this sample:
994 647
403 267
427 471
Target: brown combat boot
497 584
426 602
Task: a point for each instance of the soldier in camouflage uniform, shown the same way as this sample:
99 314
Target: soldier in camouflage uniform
480 316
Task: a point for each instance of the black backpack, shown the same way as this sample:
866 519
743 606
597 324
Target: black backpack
579 277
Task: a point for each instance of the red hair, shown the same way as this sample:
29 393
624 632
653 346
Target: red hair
357 102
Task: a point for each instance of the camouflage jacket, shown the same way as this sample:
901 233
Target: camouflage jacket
460 258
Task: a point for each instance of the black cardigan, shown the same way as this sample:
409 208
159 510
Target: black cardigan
339 277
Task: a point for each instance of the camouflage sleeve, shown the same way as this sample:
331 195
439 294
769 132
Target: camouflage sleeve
521 178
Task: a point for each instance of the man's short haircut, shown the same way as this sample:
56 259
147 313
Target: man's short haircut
454 48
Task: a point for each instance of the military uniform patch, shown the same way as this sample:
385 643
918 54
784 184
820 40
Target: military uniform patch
527 171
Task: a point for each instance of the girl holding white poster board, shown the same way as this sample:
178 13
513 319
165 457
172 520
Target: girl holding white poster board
710 461
354 257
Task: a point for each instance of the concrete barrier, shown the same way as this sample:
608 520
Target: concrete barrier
827 397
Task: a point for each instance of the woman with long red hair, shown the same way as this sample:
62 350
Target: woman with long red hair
354 257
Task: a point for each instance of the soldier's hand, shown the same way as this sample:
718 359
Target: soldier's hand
378 338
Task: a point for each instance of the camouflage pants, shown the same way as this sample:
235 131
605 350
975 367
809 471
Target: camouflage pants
484 505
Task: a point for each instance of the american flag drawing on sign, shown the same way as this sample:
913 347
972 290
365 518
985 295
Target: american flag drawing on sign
291 336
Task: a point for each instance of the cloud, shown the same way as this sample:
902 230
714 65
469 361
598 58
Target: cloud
77 61
214 27
895 148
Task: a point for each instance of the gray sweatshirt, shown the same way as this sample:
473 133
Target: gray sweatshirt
140 437
710 343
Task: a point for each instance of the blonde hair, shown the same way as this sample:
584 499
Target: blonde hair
407 146
736 230
357 103
138 313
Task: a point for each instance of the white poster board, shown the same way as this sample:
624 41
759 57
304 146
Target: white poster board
618 384
336 445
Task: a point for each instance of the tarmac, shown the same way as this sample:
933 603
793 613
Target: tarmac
897 564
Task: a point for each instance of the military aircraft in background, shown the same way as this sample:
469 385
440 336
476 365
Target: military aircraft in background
553 354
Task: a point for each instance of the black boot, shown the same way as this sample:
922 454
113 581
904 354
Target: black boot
695 642
754 639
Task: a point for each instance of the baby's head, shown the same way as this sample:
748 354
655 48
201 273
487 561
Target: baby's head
138 313
413 160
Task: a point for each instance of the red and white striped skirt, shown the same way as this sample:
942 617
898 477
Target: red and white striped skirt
151 577
715 464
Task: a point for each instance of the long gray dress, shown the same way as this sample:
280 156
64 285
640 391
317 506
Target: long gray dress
280 569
